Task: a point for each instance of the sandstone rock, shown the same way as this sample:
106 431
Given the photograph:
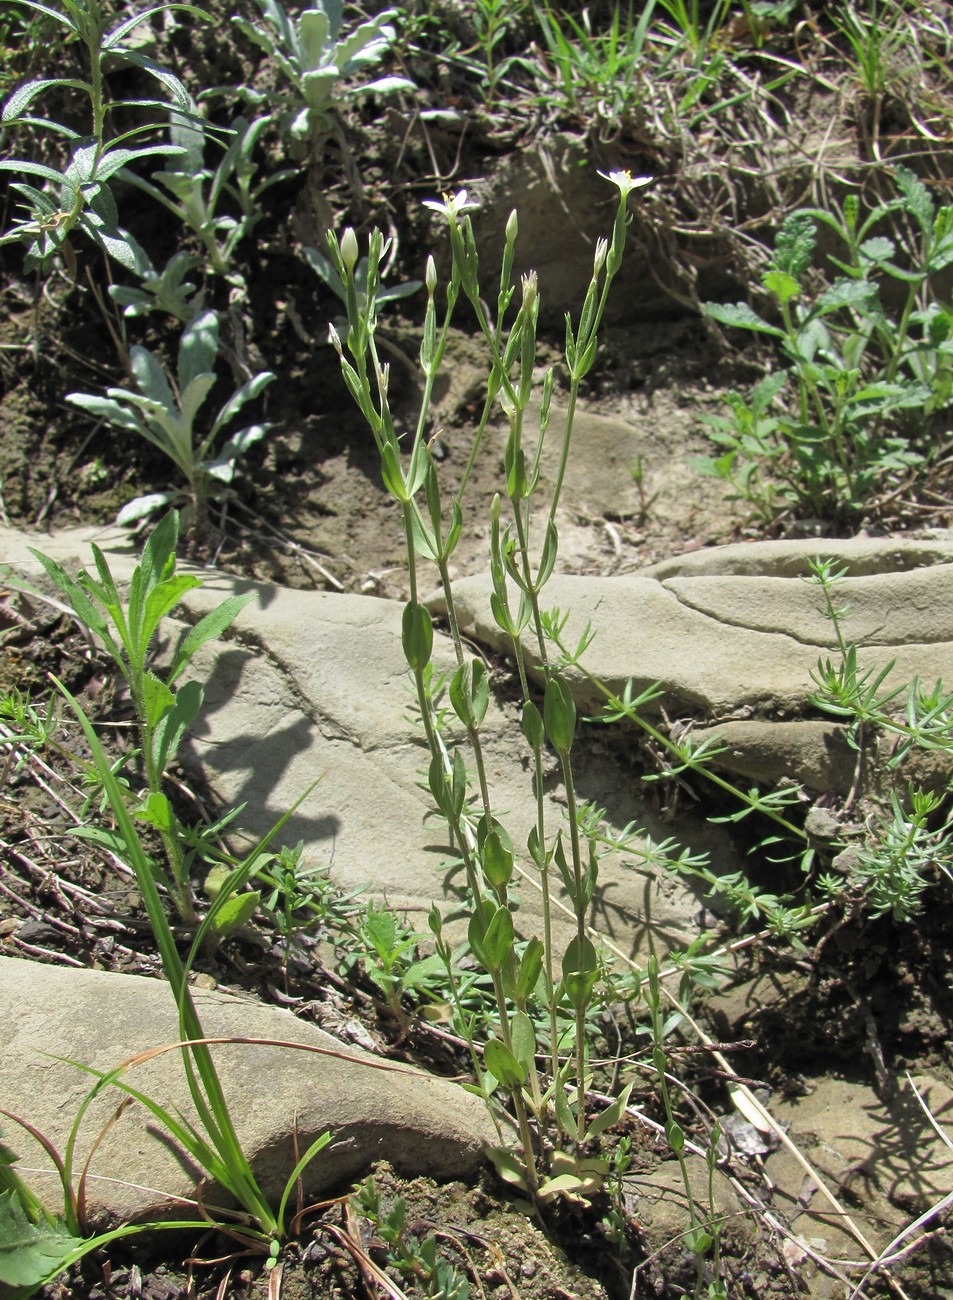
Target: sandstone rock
373 1108
885 1153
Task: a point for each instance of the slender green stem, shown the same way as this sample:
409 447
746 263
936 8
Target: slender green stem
580 913
516 1093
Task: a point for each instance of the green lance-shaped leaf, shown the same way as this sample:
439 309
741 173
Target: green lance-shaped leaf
523 1037
208 628
580 970
537 849
502 1064
480 917
416 635
439 787
470 693
530 968
449 792
547 561
611 1115
169 732
458 785
499 938
392 473
533 725
497 861
559 714
159 700
515 464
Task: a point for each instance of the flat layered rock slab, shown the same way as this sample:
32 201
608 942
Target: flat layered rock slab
738 628
374 1109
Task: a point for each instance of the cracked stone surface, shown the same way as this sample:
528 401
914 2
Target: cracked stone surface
374 1109
737 627
733 635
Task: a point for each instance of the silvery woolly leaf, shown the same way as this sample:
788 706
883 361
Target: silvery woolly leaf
193 396
246 393
144 506
386 86
22 98
198 350
104 408
151 378
313 31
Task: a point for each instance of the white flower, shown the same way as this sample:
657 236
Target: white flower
452 205
626 182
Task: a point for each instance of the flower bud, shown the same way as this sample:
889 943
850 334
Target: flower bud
430 275
512 227
349 249
334 339
599 261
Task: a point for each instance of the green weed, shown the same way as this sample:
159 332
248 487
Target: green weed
847 412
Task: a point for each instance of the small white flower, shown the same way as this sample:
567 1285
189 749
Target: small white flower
626 182
452 205
530 286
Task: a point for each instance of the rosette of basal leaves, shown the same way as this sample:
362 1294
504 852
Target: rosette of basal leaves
76 194
313 56
165 411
